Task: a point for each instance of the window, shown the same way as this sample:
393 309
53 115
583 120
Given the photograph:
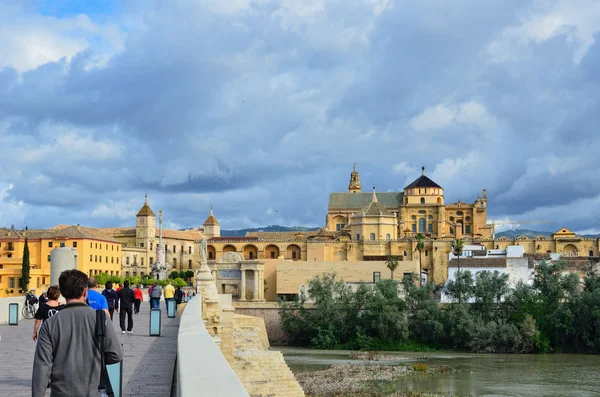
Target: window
451 218
9 255
376 277
388 237
90 245
74 244
141 274
142 245
422 212
96 245
430 217
112 259
91 271
372 236
190 250
39 282
91 257
404 253
62 244
422 200
100 258
250 255
591 253
189 264
107 247
468 229
174 262
117 260
95 258
468 218
421 225
49 257
150 246
414 227
142 263
426 253
151 259
293 254
127 261
459 213
272 254
134 274
11 282
339 226
112 247
357 236
430 228
107 259
406 275
174 249
451 231
414 217
49 244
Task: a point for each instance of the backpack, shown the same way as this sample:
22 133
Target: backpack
110 296
156 292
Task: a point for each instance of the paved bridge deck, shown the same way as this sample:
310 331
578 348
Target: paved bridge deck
148 362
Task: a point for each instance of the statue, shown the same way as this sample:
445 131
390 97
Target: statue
203 251
160 269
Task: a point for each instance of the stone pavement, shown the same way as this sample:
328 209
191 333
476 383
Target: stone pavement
148 366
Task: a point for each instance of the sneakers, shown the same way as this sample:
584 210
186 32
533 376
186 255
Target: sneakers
123 332
130 332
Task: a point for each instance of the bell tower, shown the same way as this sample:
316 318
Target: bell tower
354 186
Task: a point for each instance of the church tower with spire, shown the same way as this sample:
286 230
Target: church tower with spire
145 226
212 228
354 186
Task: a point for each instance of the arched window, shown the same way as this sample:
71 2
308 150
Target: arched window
388 237
459 213
422 225
468 218
404 253
422 200
439 200
426 253
372 236
591 253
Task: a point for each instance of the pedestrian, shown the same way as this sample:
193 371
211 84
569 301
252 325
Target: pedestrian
155 295
178 296
119 287
48 309
139 298
111 298
169 294
149 299
125 303
44 297
95 299
68 352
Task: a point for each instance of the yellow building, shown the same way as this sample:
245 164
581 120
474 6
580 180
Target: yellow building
96 253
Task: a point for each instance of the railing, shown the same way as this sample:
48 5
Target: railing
211 375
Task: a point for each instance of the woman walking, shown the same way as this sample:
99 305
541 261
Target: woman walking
139 298
47 310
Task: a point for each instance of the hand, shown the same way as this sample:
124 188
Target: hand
116 310
34 337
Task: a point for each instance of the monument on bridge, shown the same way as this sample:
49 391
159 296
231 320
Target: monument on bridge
160 269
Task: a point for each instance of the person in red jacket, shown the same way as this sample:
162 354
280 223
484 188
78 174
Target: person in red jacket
139 298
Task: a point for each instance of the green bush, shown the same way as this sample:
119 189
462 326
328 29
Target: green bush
189 274
179 282
175 274
148 281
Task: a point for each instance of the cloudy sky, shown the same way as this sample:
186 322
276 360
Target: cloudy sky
260 107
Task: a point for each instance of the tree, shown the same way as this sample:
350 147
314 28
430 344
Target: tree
392 264
457 249
175 274
461 288
25 268
189 274
420 237
489 289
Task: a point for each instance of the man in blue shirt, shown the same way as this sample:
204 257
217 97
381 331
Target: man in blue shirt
95 299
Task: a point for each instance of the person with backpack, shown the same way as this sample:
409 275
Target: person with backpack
179 296
155 295
111 298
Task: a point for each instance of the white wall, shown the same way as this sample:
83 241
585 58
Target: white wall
4 309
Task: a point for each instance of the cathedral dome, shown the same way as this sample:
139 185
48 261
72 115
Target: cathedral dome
423 181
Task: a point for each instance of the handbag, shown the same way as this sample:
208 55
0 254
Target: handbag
104 387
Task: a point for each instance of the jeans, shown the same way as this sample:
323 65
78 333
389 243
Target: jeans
154 303
111 311
136 306
167 303
129 312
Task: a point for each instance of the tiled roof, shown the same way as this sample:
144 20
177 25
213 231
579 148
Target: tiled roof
11 233
74 232
211 220
478 262
119 231
281 235
422 181
146 211
181 234
356 201
374 208
232 238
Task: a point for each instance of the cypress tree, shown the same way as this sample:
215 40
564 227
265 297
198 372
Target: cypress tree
25 268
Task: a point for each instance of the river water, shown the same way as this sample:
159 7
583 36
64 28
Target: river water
477 374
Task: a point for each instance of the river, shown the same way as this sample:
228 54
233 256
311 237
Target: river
477 374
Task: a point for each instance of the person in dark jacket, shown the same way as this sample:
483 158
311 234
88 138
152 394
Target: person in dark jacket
178 296
111 298
125 303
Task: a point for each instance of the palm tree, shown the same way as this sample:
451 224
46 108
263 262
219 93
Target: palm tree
420 237
392 264
457 248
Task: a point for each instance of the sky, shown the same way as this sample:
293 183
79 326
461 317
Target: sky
261 107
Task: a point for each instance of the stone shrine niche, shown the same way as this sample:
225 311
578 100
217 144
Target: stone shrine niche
231 257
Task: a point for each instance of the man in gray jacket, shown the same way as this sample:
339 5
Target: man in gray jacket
68 350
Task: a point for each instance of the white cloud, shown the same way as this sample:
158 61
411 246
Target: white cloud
28 41
441 116
115 209
404 169
578 21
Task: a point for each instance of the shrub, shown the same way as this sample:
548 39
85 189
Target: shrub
189 274
179 282
175 274
148 281
420 367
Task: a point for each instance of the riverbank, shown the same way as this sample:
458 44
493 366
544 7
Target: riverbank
374 377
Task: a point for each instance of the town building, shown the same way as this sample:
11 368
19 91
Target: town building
97 253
